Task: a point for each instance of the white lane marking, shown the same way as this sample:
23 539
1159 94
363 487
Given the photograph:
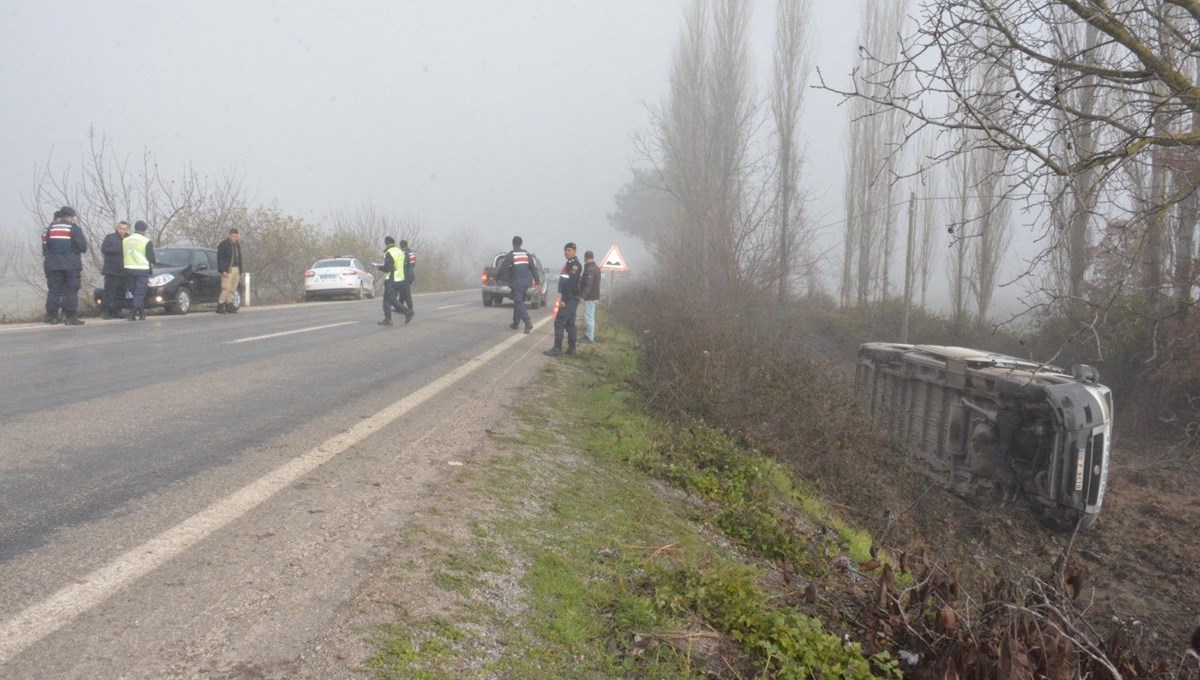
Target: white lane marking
281 333
42 619
453 306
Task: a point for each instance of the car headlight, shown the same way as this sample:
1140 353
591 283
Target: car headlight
159 280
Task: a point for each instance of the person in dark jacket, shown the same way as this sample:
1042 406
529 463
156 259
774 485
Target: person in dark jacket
229 265
114 272
410 277
589 291
519 270
568 303
63 243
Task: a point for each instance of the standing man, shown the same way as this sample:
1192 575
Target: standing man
410 277
589 290
568 291
114 271
520 273
393 269
138 256
229 264
62 244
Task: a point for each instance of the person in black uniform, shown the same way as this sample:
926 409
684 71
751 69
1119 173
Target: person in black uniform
393 269
410 275
520 273
568 291
114 272
62 244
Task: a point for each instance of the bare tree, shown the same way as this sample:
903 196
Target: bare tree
106 188
792 64
929 215
701 152
875 135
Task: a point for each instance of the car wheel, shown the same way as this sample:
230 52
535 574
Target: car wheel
236 300
359 294
183 302
534 303
308 297
487 300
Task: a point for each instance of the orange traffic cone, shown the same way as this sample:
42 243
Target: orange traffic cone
557 303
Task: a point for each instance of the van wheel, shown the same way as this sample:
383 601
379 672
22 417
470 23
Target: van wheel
487 300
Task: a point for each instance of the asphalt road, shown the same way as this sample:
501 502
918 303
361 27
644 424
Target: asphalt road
116 434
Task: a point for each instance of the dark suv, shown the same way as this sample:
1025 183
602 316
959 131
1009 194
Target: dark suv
183 277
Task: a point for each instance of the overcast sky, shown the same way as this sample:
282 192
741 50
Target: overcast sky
507 117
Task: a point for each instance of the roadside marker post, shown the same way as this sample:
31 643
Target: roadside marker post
613 262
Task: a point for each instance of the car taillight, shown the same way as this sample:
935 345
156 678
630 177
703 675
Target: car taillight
349 272
484 278
309 274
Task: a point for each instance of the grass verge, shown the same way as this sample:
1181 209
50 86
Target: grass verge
606 543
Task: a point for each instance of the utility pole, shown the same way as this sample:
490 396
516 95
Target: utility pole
908 264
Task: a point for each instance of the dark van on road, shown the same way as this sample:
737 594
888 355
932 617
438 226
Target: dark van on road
183 277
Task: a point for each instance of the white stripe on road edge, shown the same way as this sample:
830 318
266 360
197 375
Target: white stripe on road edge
298 330
42 619
453 306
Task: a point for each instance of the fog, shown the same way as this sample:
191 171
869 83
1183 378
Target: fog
502 118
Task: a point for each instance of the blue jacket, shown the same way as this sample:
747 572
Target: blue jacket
62 245
568 280
519 270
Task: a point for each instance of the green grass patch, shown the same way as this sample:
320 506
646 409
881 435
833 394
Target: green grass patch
619 575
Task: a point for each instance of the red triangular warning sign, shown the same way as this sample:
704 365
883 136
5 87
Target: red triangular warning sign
614 261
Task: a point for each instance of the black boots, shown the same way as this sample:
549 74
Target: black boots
50 319
220 308
385 322
72 320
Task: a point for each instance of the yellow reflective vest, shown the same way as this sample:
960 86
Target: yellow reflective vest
134 248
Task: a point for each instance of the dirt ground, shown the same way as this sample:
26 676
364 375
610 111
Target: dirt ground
1140 561
1143 554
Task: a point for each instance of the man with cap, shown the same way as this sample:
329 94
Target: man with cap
139 255
568 291
589 291
518 269
114 271
410 277
229 265
393 269
63 243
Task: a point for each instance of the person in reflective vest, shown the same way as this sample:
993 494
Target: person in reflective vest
410 277
568 291
518 269
62 244
393 269
139 255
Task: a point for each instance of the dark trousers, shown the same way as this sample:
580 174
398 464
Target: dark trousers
137 284
520 314
114 293
62 291
391 298
565 323
406 293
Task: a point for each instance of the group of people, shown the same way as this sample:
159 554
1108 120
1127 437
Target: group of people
128 261
128 265
576 283
399 267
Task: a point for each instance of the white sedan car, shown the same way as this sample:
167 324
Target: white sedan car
338 276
